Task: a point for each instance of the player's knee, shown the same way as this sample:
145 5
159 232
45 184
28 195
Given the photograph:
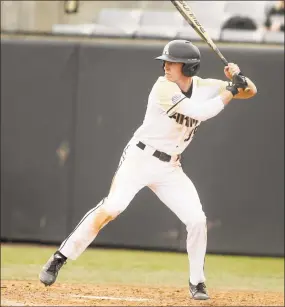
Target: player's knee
111 208
102 217
197 220
113 204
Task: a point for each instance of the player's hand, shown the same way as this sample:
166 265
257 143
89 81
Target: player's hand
238 84
230 70
240 81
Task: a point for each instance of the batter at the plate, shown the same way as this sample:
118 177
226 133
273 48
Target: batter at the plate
177 104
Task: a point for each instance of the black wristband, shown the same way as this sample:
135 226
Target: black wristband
232 88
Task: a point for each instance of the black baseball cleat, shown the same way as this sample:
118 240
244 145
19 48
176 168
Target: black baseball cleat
50 270
198 292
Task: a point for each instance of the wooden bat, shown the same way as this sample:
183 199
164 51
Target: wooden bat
185 10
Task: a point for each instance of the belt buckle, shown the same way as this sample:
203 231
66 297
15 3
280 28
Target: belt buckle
164 157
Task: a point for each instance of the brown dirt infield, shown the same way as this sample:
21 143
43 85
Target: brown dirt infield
33 293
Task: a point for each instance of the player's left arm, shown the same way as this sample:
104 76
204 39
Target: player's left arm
232 69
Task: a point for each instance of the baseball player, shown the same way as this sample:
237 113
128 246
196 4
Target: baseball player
177 104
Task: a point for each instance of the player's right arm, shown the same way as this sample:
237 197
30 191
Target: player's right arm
172 100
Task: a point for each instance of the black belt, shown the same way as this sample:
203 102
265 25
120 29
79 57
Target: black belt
158 154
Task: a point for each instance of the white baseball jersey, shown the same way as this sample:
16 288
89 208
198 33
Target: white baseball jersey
167 125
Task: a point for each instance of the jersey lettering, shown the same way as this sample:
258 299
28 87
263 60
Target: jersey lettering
191 134
184 120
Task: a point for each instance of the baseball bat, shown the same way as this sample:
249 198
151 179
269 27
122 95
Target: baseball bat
185 10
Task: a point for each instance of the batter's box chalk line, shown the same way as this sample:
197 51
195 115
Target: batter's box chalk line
11 303
129 299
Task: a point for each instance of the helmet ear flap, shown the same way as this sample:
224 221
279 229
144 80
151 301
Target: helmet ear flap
190 70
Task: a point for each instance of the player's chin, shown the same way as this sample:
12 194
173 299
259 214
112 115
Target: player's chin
168 77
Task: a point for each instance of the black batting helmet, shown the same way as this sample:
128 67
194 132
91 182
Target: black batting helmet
182 51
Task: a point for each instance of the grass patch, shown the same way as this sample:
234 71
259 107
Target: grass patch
101 266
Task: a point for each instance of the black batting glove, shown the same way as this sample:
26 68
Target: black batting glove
240 81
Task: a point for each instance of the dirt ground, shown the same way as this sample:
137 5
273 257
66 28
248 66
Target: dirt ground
33 293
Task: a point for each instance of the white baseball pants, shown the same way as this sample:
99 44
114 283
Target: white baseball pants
137 169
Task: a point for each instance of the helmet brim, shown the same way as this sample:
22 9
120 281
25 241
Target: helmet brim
168 58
